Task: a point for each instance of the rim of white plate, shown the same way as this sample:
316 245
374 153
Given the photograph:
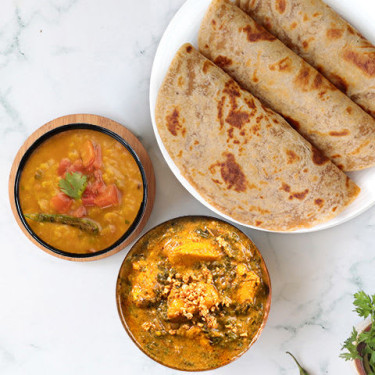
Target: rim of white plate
183 28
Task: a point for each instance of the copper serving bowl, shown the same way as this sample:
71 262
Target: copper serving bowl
122 281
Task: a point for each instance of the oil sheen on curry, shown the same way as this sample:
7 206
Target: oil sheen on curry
193 293
80 191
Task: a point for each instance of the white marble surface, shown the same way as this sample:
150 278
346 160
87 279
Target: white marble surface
56 317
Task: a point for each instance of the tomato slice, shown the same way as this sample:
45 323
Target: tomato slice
80 211
98 157
98 186
88 154
64 165
88 197
109 197
61 203
77 166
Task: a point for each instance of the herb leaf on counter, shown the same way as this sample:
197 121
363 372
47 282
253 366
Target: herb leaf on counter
73 184
302 371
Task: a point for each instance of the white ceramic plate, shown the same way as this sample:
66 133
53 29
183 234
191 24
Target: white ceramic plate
184 28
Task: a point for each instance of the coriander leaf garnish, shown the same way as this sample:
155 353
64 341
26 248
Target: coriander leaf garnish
302 371
365 304
73 185
362 345
350 345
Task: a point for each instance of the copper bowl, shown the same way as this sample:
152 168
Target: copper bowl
124 270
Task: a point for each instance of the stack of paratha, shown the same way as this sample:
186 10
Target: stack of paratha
241 156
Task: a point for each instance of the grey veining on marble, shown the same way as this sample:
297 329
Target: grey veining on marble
79 56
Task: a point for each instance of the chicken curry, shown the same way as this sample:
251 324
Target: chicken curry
80 191
194 293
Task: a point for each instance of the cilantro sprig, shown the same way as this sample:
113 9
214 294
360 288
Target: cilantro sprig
73 184
365 307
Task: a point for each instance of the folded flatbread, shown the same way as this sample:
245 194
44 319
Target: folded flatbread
240 156
262 64
317 33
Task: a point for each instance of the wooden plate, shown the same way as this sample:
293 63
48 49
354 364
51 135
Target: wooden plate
109 127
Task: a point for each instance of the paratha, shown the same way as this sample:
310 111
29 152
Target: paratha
262 64
240 156
317 33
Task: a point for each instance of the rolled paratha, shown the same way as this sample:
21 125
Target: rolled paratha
286 83
240 156
329 43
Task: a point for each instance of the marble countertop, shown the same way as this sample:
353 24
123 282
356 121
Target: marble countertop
57 317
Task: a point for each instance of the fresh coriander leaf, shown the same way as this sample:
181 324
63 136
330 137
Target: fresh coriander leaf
364 304
302 371
350 345
73 185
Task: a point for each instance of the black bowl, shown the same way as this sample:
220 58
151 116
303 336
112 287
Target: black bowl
37 143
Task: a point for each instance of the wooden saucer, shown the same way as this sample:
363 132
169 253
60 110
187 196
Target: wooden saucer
119 130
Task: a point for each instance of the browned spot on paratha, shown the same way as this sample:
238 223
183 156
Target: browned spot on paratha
349 110
341 133
230 133
220 108
216 181
299 195
365 62
360 147
295 124
285 187
334 33
207 64
319 202
173 123
250 103
284 65
305 44
189 49
232 174
180 81
292 157
237 118
222 61
339 82
318 158
258 223
255 129
280 6
305 17
293 25
257 33
303 78
258 209
231 88
318 81
351 30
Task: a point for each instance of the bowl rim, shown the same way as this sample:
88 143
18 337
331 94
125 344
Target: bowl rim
263 267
